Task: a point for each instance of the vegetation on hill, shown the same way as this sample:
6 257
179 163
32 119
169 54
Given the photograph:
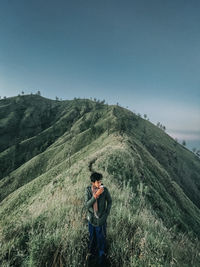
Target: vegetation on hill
46 147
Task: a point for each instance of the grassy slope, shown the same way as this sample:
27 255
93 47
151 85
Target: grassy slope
66 125
180 163
152 210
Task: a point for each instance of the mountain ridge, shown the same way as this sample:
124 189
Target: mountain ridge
150 172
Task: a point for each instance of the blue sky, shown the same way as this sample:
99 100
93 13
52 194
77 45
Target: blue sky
143 54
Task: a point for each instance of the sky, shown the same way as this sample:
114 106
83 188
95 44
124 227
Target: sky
143 54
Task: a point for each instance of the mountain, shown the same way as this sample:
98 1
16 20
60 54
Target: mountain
46 148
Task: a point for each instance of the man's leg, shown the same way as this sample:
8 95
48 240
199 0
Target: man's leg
101 241
92 239
104 233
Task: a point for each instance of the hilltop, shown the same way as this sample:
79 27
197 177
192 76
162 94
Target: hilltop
46 147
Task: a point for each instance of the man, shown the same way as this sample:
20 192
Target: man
98 202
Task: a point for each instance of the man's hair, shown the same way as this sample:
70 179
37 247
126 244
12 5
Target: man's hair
95 176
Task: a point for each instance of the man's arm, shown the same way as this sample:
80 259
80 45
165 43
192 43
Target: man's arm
89 201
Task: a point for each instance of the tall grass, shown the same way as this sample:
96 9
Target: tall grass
42 223
51 230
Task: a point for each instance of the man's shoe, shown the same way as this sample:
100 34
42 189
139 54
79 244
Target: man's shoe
102 260
89 256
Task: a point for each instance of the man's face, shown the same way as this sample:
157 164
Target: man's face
97 183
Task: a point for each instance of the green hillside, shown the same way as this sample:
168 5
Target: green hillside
46 147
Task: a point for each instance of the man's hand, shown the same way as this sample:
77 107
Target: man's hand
99 192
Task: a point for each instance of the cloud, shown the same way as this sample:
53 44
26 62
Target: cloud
175 115
185 135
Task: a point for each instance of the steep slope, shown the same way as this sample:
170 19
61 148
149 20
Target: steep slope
30 124
155 197
180 163
47 129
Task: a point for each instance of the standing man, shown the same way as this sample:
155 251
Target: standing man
98 203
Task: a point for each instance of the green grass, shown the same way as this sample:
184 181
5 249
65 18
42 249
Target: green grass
154 220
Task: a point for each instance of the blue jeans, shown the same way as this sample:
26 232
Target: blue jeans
97 239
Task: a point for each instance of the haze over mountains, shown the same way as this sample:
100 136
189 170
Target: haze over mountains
46 147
